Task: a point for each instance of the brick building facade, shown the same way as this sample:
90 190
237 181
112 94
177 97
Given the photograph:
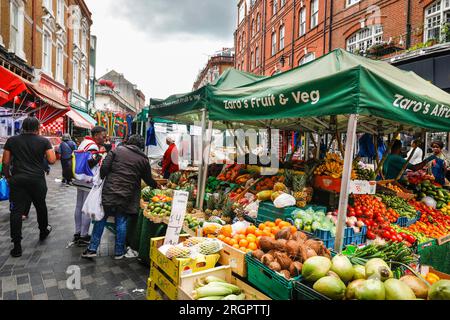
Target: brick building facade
215 66
277 35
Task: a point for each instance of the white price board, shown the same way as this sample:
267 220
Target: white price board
195 131
179 205
363 187
180 128
160 128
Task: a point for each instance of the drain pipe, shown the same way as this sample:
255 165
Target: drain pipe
293 35
325 27
33 33
263 37
408 24
330 46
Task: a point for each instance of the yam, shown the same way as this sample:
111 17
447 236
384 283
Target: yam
296 268
284 233
275 266
280 245
267 259
283 260
258 254
292 248
266 244
286 274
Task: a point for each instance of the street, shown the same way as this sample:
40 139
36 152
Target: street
40 274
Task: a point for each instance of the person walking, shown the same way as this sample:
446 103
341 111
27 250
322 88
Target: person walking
90 144
170 158
23 160
66 148
123 169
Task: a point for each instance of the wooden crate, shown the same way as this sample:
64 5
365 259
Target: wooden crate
164 283
235 258
187 284
405 194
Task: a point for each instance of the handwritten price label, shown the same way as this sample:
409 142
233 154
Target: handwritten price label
363 187
179 205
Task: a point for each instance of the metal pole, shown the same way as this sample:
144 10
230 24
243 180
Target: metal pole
200 166
346 176
205 164
306 146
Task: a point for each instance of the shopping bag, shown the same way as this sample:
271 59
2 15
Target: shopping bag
80 165
93 205
4 190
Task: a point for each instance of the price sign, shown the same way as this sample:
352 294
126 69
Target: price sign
363 187
179 205
160 128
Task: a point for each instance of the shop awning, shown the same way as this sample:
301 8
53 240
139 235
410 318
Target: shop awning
11 85
80 119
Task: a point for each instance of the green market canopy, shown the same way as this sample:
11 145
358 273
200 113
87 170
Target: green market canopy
337 84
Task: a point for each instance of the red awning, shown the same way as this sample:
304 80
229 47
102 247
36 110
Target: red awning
11 85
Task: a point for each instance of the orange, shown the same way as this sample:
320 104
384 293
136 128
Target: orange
221 237
248 250
236 246
293 229
227 240
262 226
270 224
233 242
267 232
242 236
251 236
278 221
272 236
258 233
241 231
275 230
252 246
243 249
251 230
227 231
243 243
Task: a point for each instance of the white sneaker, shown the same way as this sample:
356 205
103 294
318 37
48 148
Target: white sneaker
131 253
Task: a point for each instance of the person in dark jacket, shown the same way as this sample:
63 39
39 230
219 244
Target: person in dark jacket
66 148
123 169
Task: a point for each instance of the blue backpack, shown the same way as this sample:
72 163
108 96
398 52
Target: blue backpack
80 165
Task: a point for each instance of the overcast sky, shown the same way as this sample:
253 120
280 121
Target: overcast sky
160 45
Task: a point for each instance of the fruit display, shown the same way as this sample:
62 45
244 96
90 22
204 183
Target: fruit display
433 223
419 236
158 209
363 173
339 279
268 183
245 240
428 189
192 247
286 252
215 288
230 173
446 209
333 166
193 222
393 187
417 177
400 206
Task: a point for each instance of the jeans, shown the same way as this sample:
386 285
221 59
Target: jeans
121 233
82 221
23 192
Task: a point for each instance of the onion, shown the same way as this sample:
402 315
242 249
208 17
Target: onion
360 224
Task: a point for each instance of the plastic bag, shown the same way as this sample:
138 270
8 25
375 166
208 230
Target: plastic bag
4 190
93 205
285 200
430 202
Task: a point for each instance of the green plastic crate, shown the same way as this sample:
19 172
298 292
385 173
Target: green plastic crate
268 212
268 281
149 230
305 292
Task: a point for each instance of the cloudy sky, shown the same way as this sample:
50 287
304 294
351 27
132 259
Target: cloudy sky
160 45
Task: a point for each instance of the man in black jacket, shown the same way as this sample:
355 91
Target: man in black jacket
123 169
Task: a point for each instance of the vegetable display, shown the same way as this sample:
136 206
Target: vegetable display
390 251
428 189
399 205
214 288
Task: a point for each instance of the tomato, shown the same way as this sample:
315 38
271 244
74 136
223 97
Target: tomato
371 235
399 237
386 235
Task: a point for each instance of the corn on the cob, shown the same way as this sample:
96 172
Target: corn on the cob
235 297
212 298
210 279
209 291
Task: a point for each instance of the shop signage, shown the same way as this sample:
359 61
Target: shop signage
179 205
52 89
363 187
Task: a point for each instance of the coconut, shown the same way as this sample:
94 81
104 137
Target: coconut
296 268
343 267
286 274
359 272
292 248
283 260
315 245
372 289
280 245
351 288
284 233
275 266
302 253
266 244
418 286
330 287
315 268
378 268
440 290
267 259
258 254
299 236
310 252
398 290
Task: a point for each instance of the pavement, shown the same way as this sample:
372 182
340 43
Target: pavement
40 274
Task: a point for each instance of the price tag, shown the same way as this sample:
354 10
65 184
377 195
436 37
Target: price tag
363 187
179 205
160 128
195 131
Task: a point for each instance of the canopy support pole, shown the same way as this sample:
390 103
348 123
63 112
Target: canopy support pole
345 185
200 166
206 155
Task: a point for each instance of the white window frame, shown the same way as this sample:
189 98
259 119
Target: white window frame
83 40
83 82
59 74
349 3
47 48
274 7
48 4
282 3
364 38
282 36
241 12
274 43
76 29
76 76
314 13
17 46
252 60
435 16
60 12
258 22
307 58
302 22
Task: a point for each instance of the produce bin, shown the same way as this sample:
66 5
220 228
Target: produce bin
405 222
350 237
268 212
268 281
235 258
148 230
437 256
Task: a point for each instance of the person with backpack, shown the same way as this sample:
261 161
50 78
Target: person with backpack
87 162
122 171
23 160
66 148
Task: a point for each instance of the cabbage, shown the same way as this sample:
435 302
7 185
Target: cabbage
440 290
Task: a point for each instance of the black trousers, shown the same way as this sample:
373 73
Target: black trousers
23 191
66 165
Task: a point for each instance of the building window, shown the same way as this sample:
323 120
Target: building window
302 22
274 43
351 2
47 52
48 4
76 29
16 41
258 22
436 16
60 12
83 40
282 3
257 56
253 28
76 77
241 12
274 7
83 82
282 29
243 41
314 13
365 38
59 63
252 59
307 58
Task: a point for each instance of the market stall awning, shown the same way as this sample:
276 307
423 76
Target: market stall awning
185 107
339 83
11 85
80 120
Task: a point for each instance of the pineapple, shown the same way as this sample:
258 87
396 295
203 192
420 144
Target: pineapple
210 205
190 206
193 241
299 182
227 213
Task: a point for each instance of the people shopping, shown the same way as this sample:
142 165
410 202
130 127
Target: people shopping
123 169
439 165
66 148
170 158
23 160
